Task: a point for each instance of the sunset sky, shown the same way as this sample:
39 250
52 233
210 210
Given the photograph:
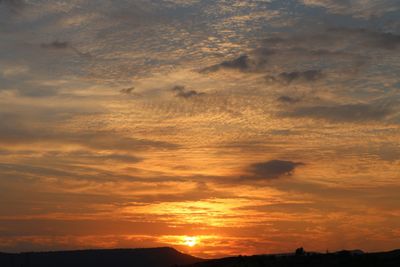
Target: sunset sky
216 127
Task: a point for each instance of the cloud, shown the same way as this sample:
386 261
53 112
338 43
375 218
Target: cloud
272 169
241 63
332 41
11 2
254 62
127 91
180 91
64 45
356 8
296 76
381 40
328 46
342 50
14 5
344 112
68 169
56 45
98 157
15 129
288 99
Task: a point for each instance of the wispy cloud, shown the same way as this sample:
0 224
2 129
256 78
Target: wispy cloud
357 8
345 112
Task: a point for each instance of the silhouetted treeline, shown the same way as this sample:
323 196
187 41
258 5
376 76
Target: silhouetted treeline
303 259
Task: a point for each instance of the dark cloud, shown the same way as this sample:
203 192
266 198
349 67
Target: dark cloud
366 9
344 112
14 5
241 63
296 76
288 99
59 45
180 91
382 40
329 40
254 62
319 46
270 170
10 2
127 91
56 45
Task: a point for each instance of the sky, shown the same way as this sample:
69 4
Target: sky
251 126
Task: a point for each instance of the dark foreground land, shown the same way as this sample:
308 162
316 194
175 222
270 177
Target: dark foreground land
146 257
169 257
338 259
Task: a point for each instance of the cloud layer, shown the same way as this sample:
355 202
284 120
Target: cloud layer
249 124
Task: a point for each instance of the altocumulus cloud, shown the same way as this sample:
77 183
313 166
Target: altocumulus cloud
324 46
272 169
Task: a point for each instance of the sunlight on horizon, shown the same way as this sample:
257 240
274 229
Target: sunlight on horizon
190 241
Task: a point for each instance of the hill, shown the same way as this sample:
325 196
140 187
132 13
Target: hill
338 259
146 257
169 257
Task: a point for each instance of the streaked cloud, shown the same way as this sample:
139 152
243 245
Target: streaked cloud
345 112
356 8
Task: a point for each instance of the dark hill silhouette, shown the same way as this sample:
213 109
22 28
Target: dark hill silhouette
338 259
145 257
169 257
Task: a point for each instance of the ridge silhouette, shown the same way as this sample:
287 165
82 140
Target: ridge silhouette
169 257
141 257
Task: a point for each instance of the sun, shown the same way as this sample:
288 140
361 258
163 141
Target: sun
190 241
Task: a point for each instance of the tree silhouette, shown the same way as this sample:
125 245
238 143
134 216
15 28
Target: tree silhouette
299 252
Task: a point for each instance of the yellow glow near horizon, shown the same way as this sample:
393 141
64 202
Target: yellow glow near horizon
190 241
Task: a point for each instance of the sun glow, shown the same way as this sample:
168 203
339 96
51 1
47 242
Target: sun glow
190 241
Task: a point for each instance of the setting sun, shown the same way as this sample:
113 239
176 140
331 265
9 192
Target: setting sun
190 241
